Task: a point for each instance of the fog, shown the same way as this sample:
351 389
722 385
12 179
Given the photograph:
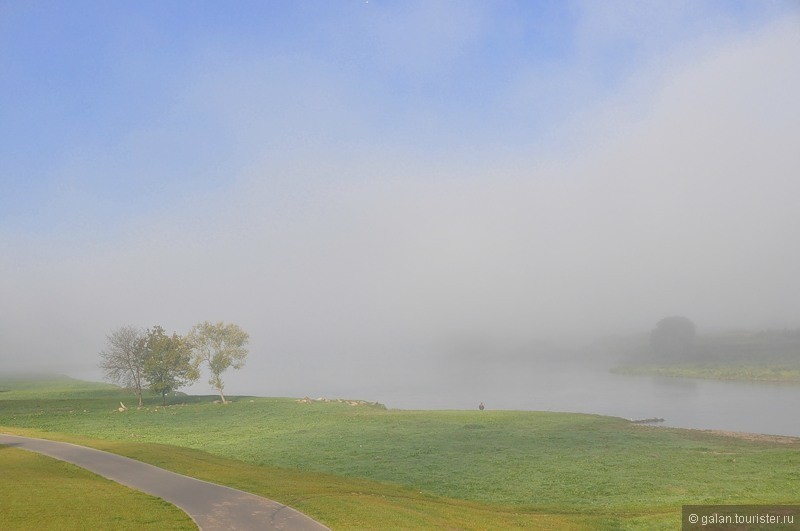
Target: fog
370 246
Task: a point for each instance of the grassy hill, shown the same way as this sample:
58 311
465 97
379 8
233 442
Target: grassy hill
361 466
49 386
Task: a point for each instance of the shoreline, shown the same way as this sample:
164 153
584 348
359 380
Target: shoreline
754 374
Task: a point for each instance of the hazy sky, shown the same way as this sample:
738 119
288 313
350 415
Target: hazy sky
356 183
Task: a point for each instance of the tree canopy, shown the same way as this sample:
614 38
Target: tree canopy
218 346
151 359
673 337
168 364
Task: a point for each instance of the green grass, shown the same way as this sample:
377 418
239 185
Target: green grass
718 371
341 503
46 386
364 467
37 492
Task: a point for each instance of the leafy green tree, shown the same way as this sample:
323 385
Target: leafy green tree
673 337
218 346
168 365
124 357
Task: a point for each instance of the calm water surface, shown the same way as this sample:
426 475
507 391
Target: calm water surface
681 402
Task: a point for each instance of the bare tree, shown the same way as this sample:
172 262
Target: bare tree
218 346
124 357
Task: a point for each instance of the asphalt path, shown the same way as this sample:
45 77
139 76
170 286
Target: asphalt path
211 506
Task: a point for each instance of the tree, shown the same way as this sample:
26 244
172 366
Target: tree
218 346
673 337
168 364
124 357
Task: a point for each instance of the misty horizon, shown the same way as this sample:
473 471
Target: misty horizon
380 187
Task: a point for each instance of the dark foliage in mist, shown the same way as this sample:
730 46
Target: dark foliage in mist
673 338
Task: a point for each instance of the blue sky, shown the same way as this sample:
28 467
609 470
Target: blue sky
84 82
417 168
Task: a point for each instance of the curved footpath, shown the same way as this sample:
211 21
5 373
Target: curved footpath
210 506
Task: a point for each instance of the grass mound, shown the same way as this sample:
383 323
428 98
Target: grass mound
49 386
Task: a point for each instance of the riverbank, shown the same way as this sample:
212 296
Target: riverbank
745 373
361 465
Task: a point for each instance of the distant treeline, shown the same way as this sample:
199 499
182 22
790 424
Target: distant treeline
680 345
766 345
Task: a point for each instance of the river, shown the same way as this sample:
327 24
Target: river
575 387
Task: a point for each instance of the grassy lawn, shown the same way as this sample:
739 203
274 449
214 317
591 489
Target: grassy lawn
341 503
367 467
37 492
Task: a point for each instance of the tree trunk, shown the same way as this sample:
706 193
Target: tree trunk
222 396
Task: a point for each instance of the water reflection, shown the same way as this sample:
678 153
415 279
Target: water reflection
682 402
